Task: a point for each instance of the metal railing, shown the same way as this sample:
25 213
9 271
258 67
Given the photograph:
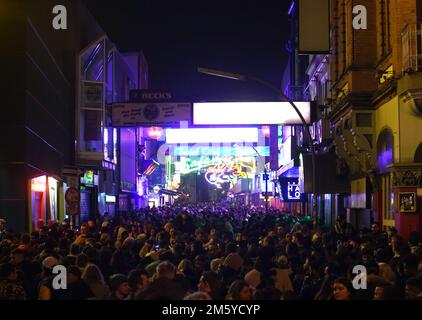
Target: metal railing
412 48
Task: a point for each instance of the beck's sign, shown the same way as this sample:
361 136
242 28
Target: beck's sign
150 96
150 114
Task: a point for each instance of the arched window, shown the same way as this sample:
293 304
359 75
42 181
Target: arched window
385 150
418 154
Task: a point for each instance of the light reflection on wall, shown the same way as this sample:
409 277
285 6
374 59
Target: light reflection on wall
385 150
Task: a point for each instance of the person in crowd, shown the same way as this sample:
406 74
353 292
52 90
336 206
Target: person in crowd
10 287
217 248
163 285
46 291
198 296
94 279
384 292
211 284
120 288
414 289
239 290
77 288
138 280
343 289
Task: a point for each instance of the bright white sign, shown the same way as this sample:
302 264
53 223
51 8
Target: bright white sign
250 113
211 135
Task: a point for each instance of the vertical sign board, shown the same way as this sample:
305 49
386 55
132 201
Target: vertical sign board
72 195
314 26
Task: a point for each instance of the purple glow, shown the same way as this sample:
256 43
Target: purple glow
292 5
210 135
105 143
248 113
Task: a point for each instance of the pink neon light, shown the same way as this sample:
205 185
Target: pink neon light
155 133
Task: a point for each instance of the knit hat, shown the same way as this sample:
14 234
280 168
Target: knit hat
116 280
50 262
234 261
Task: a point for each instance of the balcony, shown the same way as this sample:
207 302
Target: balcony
412 48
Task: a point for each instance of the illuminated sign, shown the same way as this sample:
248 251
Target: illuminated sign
216 151
228 169
293 190
266 131
211 135
155 133
285 155
38 184
88 177
110 198
250 113
290 190
218 170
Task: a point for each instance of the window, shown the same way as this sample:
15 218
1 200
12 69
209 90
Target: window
385 27
92 97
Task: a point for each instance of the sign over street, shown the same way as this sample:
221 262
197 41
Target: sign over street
150 114
150 96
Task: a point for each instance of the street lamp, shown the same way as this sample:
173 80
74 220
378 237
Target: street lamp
266 177
242 77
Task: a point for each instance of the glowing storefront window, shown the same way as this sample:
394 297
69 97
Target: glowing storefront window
38 184
115 145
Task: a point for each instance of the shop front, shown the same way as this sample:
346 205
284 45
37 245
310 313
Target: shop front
46 202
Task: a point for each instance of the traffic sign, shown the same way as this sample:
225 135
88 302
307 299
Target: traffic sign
72 196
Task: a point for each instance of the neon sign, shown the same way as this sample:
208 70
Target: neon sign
293 191
266 131
211 135
219 170
188 165
155 133
217 151
38 184
229 169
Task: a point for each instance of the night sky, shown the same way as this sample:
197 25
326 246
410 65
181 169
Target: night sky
246 36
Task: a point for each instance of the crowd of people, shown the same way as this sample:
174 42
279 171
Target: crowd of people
209 252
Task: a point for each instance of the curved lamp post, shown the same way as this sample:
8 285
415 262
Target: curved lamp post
242 77
266 177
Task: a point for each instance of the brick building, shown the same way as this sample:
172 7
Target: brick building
370 89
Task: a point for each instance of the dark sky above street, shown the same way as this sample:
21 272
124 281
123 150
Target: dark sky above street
246 36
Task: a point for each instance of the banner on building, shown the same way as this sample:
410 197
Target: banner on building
314 26
150 114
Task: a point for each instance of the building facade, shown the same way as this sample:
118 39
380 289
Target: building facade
369 89
57 84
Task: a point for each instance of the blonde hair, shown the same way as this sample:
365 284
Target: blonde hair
92 274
